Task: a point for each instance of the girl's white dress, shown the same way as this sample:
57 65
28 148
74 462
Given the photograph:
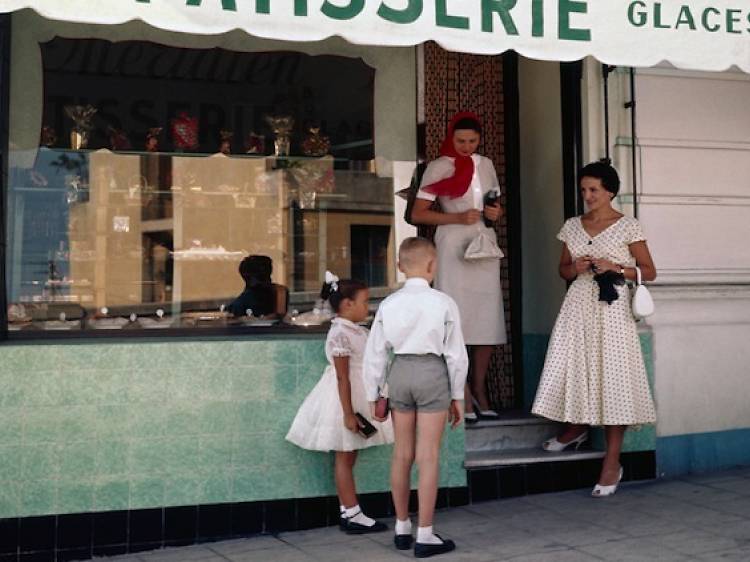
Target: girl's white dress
594 372
319 423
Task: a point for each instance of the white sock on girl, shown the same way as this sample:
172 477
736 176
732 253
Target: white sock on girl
355 515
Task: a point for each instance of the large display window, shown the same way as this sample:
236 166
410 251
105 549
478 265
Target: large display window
159 181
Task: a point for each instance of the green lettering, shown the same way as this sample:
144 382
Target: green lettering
706 24
566 7
230 5
733 18
410 14
537 18
657 17
144 1
444 19
300 7
354 8
264 7
501 8
685 18
642 15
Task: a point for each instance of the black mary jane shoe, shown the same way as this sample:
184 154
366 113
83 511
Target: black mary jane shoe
353 528
403 542
342 523
423 550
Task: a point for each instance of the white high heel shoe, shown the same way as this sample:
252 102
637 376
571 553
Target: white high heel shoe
486 414
555 446
600 491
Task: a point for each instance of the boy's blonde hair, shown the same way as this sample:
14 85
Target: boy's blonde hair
415 252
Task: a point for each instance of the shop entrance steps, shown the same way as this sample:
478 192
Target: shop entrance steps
504 459
515 439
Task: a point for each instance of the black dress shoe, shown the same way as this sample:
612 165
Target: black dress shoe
422 550
403 542
353 528
342 523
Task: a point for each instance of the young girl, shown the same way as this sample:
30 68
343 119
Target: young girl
326 421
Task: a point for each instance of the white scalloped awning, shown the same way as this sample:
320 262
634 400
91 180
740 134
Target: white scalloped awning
692 34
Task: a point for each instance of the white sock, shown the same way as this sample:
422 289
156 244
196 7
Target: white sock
342 510
355 515
403 527
426 536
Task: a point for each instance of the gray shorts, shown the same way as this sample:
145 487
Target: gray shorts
419 382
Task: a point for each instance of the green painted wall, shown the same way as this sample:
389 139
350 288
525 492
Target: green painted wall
100 426
534 351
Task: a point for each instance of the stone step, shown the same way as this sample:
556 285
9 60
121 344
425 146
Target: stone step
510 457
513 431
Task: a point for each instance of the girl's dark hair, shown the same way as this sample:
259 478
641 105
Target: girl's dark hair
467 123
347 289
604 172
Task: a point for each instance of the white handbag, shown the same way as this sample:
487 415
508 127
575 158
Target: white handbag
483 247
642 303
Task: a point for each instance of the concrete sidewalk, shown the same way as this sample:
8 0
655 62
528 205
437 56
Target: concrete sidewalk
703 517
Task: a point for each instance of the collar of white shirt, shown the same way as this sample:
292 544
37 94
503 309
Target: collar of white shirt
416 282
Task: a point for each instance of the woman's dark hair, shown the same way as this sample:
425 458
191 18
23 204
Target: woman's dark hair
467 123
603 172
347 289
256 270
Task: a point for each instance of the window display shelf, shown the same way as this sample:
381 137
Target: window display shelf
148 230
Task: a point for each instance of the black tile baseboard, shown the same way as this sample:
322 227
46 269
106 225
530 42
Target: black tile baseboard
58 538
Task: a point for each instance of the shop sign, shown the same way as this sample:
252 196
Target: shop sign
696 34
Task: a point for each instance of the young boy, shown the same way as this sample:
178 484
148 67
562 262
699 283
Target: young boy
422 329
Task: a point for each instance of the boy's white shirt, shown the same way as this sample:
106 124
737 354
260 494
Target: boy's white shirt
417 320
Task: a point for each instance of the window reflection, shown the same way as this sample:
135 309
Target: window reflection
151 233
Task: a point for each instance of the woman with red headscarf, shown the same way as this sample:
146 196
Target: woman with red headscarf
460 180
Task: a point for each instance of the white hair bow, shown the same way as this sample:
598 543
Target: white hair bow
332 280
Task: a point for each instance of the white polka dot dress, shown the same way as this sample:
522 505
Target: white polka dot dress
594 372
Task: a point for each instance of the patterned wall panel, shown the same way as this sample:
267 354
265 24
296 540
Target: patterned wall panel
461 82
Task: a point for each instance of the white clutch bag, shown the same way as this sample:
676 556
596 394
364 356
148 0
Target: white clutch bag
642 303
483 247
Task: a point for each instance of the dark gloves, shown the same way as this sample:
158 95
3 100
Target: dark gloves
607 282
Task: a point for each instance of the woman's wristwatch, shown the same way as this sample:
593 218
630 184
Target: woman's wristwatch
621 271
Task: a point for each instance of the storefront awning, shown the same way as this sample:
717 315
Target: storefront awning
693 34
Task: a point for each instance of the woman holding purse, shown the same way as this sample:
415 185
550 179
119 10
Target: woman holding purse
466 186
594 372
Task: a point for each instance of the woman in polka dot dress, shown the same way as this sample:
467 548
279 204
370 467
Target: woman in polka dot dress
594 372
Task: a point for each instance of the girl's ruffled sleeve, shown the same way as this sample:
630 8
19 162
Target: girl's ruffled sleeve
339 344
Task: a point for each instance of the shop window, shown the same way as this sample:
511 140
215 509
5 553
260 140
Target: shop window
159 169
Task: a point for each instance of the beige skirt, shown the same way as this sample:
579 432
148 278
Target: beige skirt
474 285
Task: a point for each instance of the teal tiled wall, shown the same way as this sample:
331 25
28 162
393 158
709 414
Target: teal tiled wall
106 426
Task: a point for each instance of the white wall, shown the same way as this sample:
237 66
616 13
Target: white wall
694 158
701 358
694 144
541 192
